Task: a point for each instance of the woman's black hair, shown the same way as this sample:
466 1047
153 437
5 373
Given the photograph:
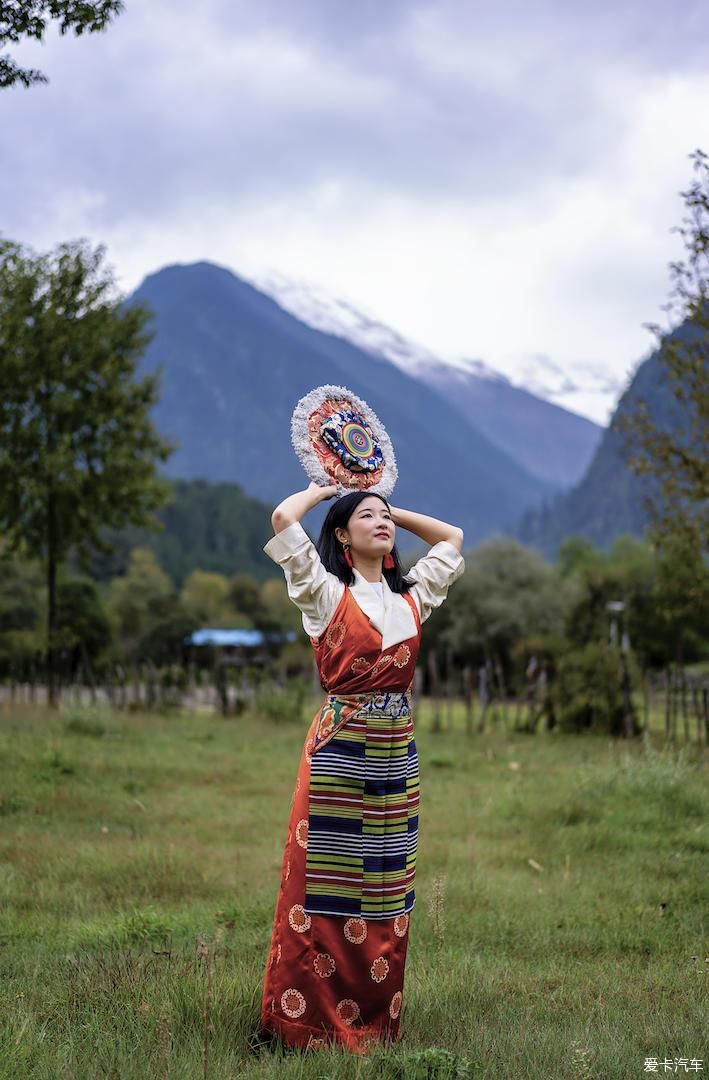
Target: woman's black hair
331 551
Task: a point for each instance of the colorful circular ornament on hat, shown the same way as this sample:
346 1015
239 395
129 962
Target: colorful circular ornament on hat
357 439
340 440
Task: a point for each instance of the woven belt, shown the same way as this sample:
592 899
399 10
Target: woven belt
337 709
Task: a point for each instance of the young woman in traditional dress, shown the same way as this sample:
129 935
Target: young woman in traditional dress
335 970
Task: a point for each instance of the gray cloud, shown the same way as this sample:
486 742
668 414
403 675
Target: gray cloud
172 106
514 168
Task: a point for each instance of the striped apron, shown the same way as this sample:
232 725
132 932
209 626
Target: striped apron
363 803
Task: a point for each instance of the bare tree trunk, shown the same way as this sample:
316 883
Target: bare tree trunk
150 690
629 724
222 688
51 602
674 697
33 681
89 672
110 690
121 680
646 700
685 709
697 711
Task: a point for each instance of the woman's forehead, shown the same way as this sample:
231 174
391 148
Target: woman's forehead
372 502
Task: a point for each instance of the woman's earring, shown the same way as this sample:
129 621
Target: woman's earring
388 563
346 552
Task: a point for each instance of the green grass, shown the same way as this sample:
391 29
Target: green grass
139 862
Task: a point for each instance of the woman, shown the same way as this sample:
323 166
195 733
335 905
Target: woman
335 970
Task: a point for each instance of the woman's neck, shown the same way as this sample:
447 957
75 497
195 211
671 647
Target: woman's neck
370 569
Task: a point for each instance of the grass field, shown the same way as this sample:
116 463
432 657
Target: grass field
560 928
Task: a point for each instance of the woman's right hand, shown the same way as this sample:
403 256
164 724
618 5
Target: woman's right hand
295 506
322 492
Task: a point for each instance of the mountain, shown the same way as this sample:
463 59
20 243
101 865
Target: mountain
609 500
234 364
550 442
554 444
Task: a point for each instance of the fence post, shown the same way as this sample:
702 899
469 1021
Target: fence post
468 698
449 689
483 696
435 690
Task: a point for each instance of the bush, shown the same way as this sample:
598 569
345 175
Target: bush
282 703
588 691
433 1063
86 720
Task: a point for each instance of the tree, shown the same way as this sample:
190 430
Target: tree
245 596
276 612
506 594
138 598
29 18
20 611
77 447
681 600
676 455
83 626
207 594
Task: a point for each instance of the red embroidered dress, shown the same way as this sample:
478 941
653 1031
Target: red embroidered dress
335 969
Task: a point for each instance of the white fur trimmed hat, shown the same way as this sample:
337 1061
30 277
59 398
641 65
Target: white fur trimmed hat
340 440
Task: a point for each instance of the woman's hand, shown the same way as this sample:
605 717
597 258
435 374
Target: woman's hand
295 506
322 493
429 529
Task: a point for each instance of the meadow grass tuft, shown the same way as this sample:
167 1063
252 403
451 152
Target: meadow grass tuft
560 929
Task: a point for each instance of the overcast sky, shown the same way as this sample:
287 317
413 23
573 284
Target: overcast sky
493 181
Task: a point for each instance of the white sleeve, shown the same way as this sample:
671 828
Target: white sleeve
311 587
433 574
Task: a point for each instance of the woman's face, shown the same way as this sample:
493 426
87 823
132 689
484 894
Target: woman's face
370 530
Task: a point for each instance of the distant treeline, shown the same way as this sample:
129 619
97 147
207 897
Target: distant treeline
204 526
578 635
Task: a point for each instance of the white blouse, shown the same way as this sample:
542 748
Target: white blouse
317 592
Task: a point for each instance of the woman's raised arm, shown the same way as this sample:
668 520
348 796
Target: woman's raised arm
297 505
429 529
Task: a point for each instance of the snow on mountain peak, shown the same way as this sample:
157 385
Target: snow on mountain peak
318 308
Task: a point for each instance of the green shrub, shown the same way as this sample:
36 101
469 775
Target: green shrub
282 703
433 1063
85 720
588 691
139 926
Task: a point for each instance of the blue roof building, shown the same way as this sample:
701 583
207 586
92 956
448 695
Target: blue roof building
243 639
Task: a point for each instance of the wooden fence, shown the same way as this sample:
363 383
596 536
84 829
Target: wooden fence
673 701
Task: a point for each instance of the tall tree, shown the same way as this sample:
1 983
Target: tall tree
20 19
78 450
676 453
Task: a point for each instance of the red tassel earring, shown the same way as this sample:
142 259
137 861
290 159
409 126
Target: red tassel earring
388 563
346 552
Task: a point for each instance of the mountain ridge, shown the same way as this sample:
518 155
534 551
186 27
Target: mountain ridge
610 499
550 441
234 365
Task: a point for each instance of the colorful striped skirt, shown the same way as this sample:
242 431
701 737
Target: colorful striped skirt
335 970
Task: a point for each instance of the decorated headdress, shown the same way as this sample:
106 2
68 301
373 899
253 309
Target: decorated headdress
341 441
